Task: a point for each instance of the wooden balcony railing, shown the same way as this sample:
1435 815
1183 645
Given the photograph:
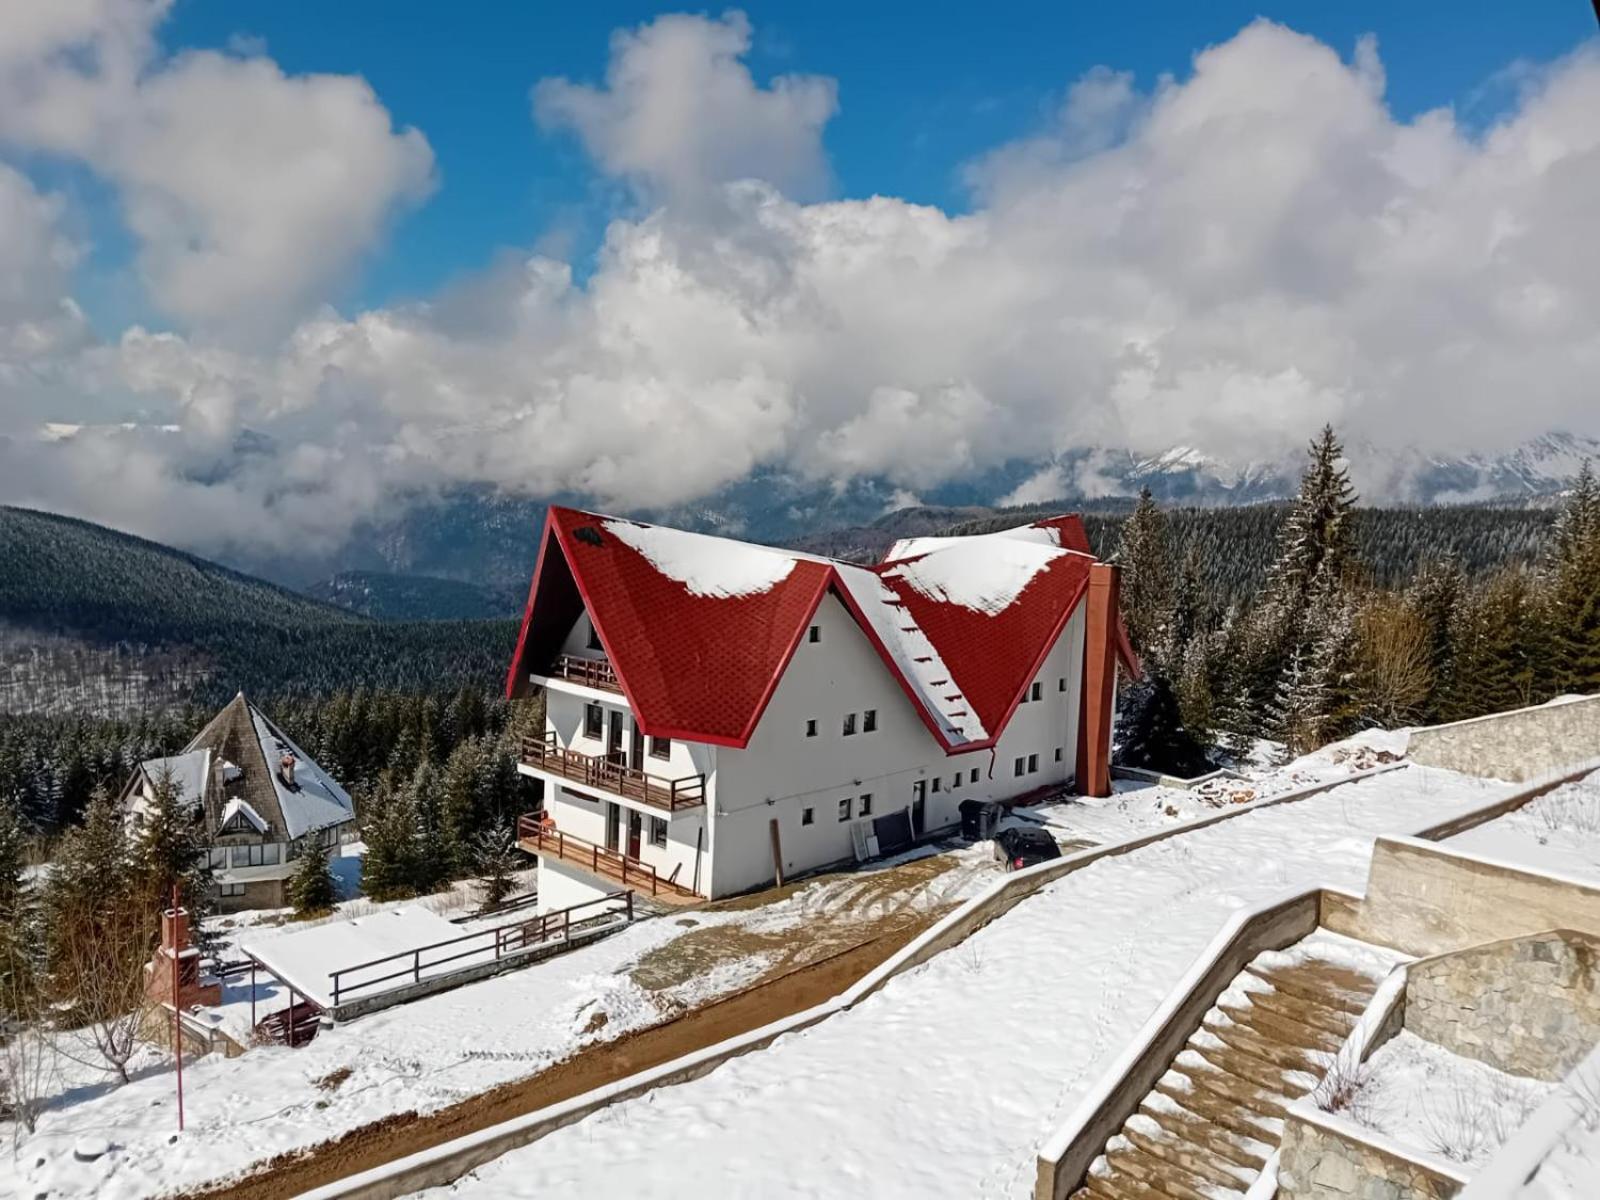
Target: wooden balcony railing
537 838
591 672
631 783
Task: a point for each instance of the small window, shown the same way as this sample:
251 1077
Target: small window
594 720
1033 763
658 831
811 729
660 747
269 854
594 638
869 720
808 816
1037 692
814 634
1061 684
1020 767
1058 753
974 774
849 724
1024 699
865 808
219 857
233 889
955 781
936 782
844 809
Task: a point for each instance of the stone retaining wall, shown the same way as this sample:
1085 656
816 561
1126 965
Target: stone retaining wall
1518 745
1529 1005
1325 1161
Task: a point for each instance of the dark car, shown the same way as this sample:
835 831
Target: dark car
1022 847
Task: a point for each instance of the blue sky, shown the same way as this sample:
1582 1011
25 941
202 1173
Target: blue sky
923 88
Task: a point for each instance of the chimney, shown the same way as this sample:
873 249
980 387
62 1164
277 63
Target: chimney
174 930
1097 705
286 768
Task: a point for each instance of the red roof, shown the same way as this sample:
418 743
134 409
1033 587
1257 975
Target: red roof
699 629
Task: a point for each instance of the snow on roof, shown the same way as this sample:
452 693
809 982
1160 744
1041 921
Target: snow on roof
913 655
315 801
305 958
984 575
188 773
706 566
237 807
1065 532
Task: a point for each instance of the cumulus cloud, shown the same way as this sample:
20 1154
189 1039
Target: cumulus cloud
681 113
1224 263
250 193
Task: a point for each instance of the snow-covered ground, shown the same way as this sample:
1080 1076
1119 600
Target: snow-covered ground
1558 832
945 1082
434 1052
1419 1094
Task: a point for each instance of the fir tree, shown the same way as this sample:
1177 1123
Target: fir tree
1147 575
1153 734
389 828
19 932
1573 602
312 889
495 861
1317 542
170 851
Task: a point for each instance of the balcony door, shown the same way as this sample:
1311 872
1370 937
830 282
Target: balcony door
613 825
919 803
635 829
636 758
614 740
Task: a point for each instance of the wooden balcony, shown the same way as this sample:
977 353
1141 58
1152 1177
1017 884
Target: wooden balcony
537 838
591 672
604 775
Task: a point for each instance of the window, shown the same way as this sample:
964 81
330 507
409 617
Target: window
1020 766
814 634
1058 753
849 724
594 720
1033 763
658 831
808 816
936 782
1024 699
594 638
1037 691
1061 684
974 774
660 747
811 729
865 807
232 889
219 857
844 809
269 854
869 720
955 781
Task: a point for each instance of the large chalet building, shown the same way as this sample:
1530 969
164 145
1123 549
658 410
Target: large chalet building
720 716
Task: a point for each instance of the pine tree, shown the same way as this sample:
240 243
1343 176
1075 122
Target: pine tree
170 851
1435 595
1317 541
1153 735
1147 575
312 889
495 860
19 958
389 828
1573 599
1299 706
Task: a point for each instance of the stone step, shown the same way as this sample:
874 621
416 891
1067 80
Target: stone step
1309 1012
1244 1151
1178 1182
1225 1113
1265 1075
1193 1156
1285 1030
1252 1042
1231 1087
1321 982
1105 1182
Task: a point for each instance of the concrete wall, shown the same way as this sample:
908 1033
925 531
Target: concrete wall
1321 1158
1426 899
1518 745
1528 1005
562 885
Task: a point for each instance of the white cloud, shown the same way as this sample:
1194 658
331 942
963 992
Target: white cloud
250 193
681 113
1250 250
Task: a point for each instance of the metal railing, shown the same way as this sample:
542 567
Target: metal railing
613 864
591 672
503 940
607 775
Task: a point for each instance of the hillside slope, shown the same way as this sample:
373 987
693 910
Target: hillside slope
86 612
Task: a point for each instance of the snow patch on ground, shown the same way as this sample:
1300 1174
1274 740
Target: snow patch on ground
1558 832
706 566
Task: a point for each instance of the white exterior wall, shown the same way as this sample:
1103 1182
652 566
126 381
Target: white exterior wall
782 772
562 886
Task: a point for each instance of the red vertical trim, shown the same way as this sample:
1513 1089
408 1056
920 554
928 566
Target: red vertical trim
1099 681
515 676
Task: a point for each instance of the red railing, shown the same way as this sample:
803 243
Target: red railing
591 672
602 773
503 940
538 838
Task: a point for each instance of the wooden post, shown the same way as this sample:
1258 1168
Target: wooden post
777 853
252 996
177 1019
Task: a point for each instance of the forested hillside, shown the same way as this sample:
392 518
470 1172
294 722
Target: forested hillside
116 623
389 597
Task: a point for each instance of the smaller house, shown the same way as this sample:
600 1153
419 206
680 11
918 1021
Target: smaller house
264 801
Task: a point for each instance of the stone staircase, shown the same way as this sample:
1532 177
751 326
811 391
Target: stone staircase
1207 1128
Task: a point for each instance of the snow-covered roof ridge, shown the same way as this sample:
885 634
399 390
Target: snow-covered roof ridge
984 575
1064 532
707 566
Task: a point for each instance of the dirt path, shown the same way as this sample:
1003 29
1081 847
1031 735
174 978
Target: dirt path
406 1133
